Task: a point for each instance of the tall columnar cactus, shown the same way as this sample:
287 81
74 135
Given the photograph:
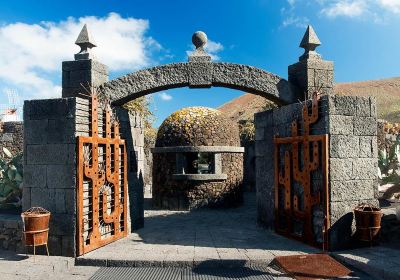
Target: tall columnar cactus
10 180
389 164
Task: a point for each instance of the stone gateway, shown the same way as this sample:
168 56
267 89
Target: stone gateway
198 160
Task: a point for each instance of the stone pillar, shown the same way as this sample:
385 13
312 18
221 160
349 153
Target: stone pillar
132 130
353 163
84 71
351 125
311 73
50 130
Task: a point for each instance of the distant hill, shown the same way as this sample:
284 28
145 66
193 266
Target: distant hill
386 91
245 106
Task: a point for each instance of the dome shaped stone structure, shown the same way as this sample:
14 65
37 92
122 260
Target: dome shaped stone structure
197 161
197 126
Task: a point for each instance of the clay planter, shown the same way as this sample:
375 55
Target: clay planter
368 222
36 226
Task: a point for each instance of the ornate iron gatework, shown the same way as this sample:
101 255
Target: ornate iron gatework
301 182
102 181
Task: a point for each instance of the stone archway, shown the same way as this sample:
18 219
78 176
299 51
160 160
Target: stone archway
200 74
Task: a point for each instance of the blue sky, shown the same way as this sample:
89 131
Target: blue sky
360 36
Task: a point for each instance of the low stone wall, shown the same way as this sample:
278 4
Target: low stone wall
11 232
12 136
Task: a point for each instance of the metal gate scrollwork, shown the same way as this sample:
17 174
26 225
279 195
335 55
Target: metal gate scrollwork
301 182
101 181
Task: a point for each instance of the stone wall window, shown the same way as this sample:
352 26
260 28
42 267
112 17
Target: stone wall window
197 163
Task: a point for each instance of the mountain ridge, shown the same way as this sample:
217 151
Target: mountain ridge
386 91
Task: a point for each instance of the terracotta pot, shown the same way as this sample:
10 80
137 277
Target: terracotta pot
368 222
36 227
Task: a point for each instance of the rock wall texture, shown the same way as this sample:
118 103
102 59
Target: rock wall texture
249 167
12 136
183 195
200 74
132 130
352 128
11 232
50 130
197 126
149 143
82 73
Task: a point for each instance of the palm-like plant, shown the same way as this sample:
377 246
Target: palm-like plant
10 180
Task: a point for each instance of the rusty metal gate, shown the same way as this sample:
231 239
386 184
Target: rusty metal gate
301 181
101 181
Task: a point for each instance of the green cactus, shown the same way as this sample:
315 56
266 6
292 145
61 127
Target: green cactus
389 164
10 180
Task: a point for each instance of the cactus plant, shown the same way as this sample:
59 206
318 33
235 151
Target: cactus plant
389 164
10 180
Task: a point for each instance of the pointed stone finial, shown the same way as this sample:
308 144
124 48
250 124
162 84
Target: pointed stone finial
199 40
309 43
86 42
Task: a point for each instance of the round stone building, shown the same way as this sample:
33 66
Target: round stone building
197 161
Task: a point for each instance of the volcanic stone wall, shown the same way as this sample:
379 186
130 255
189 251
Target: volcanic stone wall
197 126
50 130
183 195
50 164
11 232
12 136
351 125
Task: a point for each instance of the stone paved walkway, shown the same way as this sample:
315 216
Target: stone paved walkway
212 240
224 237
380 262
19 266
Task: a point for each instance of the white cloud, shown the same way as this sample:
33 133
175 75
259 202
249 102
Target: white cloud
290 16
291 2
391 5
377 11
301 22
345 8
31 54
212 48
165 96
